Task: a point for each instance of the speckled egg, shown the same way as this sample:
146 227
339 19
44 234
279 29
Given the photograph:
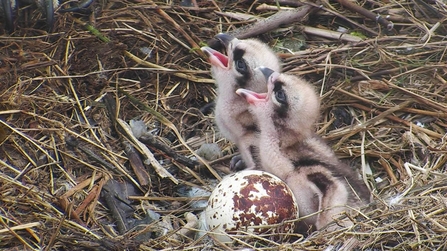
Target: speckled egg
247 200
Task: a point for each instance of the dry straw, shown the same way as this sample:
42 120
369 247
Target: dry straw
384 111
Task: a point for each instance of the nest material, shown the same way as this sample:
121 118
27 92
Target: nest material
65 95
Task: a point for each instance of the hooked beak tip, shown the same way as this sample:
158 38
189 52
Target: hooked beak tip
224 39
266 71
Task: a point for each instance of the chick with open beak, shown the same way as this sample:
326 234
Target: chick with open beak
231 72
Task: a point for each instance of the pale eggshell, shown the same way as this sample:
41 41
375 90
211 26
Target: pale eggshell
248 199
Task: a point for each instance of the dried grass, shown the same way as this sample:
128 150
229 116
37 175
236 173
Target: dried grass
384 110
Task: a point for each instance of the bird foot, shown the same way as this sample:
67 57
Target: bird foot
237 163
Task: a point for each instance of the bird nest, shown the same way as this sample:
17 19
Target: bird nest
73 176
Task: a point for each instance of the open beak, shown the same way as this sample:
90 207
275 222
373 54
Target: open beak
224 39
216 58
251 96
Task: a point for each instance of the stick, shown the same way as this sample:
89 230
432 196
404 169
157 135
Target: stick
371 15
274 21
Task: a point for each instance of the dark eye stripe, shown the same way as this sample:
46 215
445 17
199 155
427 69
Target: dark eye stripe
283 108
280 94
242 67
238 54
278 86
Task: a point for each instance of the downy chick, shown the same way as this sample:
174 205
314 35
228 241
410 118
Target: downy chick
237 70
291 150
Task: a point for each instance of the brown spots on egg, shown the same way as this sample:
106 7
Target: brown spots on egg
251 201
263 201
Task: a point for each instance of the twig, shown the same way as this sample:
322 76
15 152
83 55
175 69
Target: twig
67 207
374 120
169 124
331 34
111 198
159 145
405 122
93 30
134 159
376 74
362 11
266 7
422 99
238 16
73 142
264 25
181 30
136 164
175 73
162 172
384 163
320 7
274 21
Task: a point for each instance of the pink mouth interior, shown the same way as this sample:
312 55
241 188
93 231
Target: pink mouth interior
222 58
252 97
259 96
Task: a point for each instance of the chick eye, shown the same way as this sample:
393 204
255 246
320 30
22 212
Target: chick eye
281 97
241 66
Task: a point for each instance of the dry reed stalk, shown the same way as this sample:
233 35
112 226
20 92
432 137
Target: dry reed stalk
383 109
